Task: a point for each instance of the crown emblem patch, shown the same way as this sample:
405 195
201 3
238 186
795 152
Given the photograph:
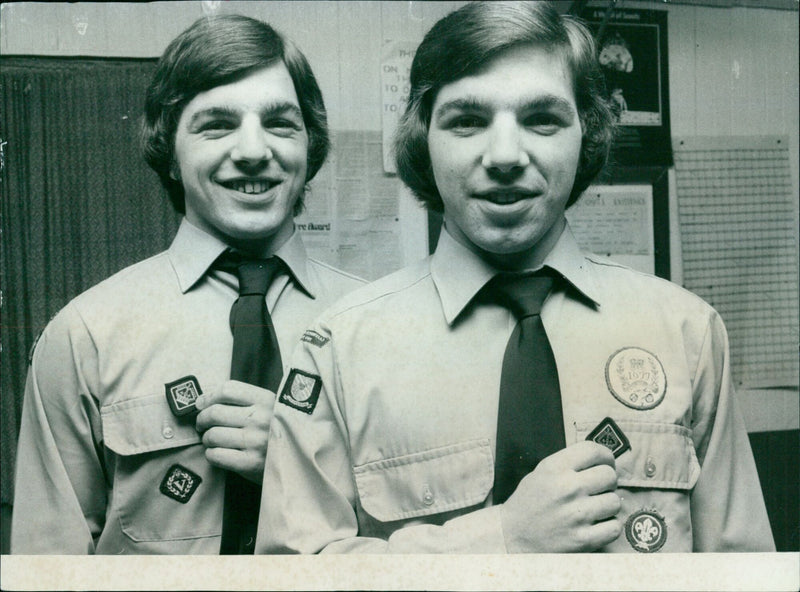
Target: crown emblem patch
636 378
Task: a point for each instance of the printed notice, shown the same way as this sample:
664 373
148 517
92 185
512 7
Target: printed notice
396 61
616 221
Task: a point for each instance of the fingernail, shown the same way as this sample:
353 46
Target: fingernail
200 402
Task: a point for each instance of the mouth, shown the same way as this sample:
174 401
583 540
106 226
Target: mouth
249 186
506 197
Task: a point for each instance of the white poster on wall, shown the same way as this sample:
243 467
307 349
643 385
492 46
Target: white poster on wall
616 221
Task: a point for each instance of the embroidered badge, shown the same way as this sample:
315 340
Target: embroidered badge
301 391
636 378
182 395
609 434
646 531
180 483
314 338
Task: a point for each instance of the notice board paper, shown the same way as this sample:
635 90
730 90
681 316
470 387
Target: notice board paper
616 221
738 230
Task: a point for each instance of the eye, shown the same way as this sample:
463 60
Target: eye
545 124
216 127
465 123
283 126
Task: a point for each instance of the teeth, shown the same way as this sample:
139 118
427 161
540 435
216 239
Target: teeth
249 187
504 198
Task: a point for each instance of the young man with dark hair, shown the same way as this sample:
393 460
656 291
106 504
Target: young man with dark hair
149 396
510 393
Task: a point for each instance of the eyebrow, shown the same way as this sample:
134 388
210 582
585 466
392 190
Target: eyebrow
540 103
223 111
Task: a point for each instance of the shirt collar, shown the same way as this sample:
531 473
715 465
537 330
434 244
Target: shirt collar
459 273
293 254
568 260
193 251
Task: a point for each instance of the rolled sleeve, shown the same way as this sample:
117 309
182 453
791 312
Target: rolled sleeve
60 489
728 511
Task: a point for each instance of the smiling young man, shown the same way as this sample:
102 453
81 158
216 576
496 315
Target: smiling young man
510 393
131 428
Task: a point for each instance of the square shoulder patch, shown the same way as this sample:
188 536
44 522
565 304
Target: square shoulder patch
301 391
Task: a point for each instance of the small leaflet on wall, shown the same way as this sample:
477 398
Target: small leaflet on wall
616 221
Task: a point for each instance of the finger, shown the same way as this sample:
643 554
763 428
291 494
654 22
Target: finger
602 533
597 479
586 454
235 460
234 392
222 416
604 506
220 437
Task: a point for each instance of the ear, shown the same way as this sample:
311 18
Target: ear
174 170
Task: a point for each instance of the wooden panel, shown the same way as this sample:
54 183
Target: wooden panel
749 75
359 70
712 72
682 56
400 21
29 28
83 31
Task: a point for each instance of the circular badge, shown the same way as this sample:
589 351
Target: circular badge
646 531
636 378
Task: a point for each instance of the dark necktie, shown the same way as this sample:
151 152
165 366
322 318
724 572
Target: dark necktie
530 424
256 360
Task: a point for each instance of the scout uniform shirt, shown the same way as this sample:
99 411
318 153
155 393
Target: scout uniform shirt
383 434
103 465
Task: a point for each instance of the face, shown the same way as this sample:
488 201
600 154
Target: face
504 146
241 154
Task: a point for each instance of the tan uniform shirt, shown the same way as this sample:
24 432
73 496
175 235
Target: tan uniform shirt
99 446
391 448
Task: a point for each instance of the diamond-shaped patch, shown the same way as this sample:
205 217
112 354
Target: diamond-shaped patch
182 395
180 483
609 434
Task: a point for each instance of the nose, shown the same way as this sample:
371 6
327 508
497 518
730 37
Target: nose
252 145
504 151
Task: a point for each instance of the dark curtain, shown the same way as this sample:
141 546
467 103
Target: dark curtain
78 201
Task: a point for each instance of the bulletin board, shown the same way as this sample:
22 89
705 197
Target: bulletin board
739 241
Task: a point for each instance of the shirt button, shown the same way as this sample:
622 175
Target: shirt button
427 496
649 467
167 432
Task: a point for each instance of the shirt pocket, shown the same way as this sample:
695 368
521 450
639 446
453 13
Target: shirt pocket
148 443
426 483
655 476
662 455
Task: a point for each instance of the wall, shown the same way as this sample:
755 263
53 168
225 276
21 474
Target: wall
732 71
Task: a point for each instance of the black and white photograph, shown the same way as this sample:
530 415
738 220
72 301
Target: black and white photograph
400 295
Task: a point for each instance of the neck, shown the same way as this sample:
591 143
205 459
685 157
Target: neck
529 259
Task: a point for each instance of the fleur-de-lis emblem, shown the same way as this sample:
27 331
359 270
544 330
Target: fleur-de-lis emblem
646 531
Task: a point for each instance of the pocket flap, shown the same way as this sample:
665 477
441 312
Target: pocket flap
428 482
662 455
144 425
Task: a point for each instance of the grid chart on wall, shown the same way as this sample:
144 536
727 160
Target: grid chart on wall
739 239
